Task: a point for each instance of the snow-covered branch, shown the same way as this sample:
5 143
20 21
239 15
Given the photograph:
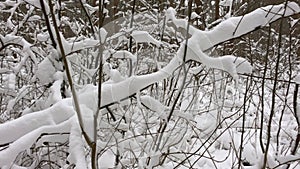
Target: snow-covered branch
8 155
25 124
234 27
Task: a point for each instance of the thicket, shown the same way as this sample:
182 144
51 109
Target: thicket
133 84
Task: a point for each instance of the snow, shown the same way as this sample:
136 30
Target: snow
4 70
56 88
88 96
34 3
107 160
17 128
73 46
297 79
11 81
234 26
194 15
43 37
26 51
125 54
76 150
45 71
59 138
119 125
229 63
144 37
103 34
287 158
115 76
152 158
10 106
118 91
8 155
179 23
88 120
206 122
91 8
152 104
20 95
225 3
34 18
294 22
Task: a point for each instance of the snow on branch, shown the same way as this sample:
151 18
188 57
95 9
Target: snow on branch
115 92
17 128
77 154
73 46
11 39
228 29
120 54
236 26
8 155
144 36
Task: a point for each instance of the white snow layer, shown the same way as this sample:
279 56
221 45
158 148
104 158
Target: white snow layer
225 3
152 104
103 34
42 37
145 37
125 54
17 128
76 150
11 81
230 28
297 79
120 54
236 26
73 46
8 155
45 71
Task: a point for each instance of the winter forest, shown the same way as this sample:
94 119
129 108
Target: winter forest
99 84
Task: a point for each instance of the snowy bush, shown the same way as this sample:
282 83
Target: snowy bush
143 87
